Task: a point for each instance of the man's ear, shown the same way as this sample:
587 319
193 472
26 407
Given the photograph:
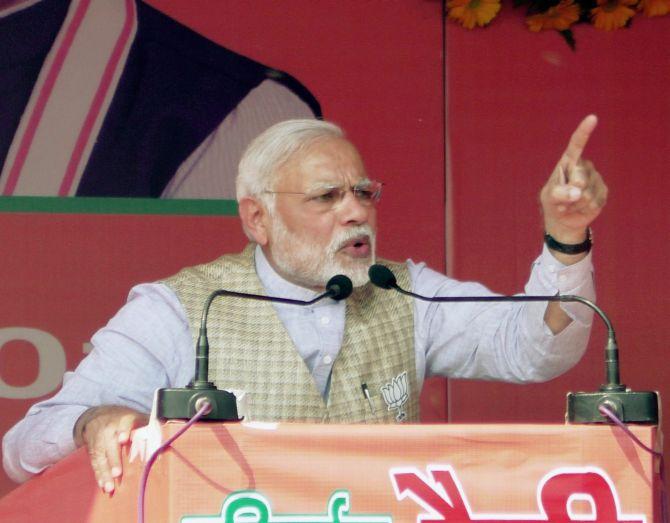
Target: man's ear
255 219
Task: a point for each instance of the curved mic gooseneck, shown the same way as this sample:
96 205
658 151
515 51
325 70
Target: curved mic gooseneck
339 287
183 403
638 407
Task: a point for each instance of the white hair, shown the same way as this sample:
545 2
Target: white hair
270 150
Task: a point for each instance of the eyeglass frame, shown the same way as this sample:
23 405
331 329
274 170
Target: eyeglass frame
357 189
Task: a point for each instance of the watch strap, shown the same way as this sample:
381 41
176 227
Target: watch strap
568 248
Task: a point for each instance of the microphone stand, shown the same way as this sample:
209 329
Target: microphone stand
582 407
183 403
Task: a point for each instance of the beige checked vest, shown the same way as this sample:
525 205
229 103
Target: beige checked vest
251 351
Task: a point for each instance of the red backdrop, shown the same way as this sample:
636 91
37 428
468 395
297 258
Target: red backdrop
514 99
63 275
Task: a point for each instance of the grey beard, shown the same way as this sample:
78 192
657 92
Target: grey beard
311 266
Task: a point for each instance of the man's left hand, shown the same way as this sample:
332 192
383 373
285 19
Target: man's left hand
575 193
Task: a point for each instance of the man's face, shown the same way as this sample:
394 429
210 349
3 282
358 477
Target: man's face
320 227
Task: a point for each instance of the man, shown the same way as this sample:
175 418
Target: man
113 98
308 206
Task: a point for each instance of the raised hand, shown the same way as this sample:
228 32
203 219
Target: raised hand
575 193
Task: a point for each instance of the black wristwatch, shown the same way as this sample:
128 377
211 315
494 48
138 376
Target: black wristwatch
567 248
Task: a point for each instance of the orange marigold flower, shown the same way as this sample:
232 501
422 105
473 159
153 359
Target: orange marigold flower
612 14
559 17
470 13
654 7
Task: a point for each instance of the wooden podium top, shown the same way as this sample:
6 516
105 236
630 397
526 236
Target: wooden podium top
303 473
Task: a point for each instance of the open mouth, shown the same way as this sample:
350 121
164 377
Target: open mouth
358 247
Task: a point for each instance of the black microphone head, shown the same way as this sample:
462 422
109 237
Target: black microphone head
382 276
340 287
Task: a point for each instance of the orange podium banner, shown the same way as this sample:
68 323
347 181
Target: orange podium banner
302 473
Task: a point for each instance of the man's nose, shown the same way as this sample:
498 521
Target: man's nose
352 210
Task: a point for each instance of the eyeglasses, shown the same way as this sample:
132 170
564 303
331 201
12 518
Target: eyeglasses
367 193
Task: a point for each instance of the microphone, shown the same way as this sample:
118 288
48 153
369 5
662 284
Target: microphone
183 403
381 276
582 407
339 287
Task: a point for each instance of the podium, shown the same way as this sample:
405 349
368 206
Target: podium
304 473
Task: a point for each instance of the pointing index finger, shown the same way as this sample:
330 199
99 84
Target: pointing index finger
578 141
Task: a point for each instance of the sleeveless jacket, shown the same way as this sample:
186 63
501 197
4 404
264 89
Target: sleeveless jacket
251 351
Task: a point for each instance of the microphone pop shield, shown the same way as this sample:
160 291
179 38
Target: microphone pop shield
382 276
339 287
